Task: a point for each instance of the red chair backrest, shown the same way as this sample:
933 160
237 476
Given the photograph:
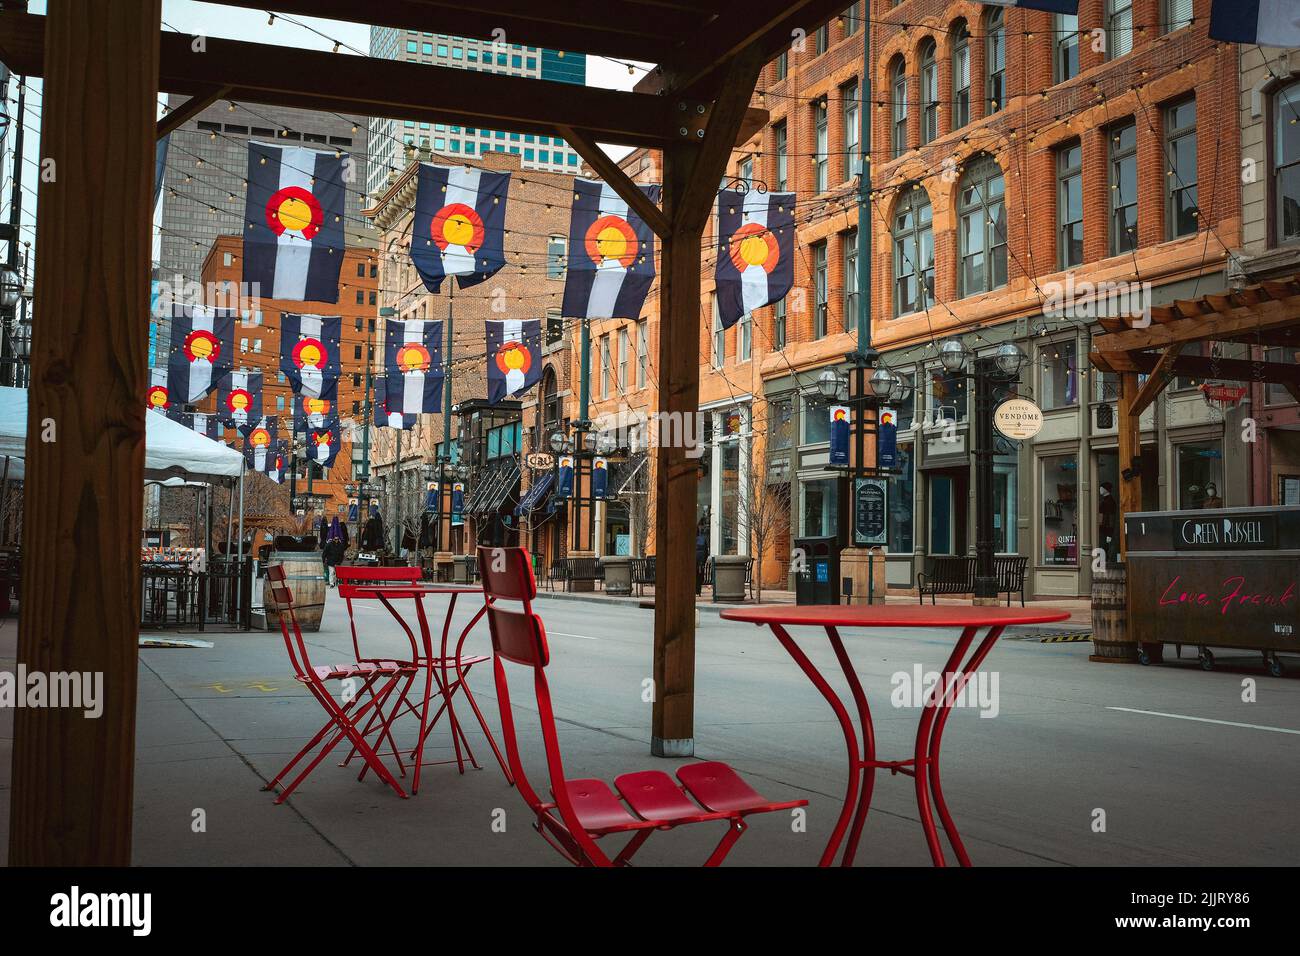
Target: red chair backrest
348 574
283 598
518 636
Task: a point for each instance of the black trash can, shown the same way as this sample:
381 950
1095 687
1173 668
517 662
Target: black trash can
819 581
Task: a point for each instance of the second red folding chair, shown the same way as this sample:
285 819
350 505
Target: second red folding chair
373 684
583 811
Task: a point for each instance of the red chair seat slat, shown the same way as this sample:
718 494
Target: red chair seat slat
718 787
654 795
598 810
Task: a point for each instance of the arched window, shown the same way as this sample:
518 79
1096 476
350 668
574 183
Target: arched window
913 253
960 75
929 93
548 409
982 227
898 95
995 61
1286 163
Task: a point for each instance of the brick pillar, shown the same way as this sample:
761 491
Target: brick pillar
1096 194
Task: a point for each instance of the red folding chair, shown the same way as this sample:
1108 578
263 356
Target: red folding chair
580 812
344 718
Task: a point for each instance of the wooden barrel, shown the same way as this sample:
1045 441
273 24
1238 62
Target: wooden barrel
305 575
1111 641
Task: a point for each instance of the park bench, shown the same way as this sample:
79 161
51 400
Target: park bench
956 575
643 573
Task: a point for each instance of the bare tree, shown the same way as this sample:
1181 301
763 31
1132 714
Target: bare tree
636 492
765 508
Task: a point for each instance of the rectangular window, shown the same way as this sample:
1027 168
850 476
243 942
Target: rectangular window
778 325
782 65
820 169
946 397
642 351
1119 28
819 508
943 538
1066 35
902 491
1286 163
622 359
816 420
556 253
782 160
745 336
1275 394
961 83
852 17
1069 205
823 38
849 241
1177 14
905 411
849 112
898 135
606 368
819 290
554 326
1058 375
1200 474
1060 496
1123 189
1180 174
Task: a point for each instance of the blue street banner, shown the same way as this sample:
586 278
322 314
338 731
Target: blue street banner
413 366
839 416
755 251
887 439
324 443
431 496
458 503
599 478
459 224
239 398
611 262
514 356
202 353
564 477
309 352
293 223
353 510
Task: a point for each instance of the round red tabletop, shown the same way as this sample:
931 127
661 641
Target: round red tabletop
894 615
402 589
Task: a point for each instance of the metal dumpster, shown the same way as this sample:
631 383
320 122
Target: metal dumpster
1215 578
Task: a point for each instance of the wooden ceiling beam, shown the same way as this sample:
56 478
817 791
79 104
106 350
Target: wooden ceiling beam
191 108
1235 370
619 181
1265 316
1156 381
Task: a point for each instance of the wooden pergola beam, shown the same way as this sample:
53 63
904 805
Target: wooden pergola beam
73 774
311 79
191 108
613 174
1156 381
1247 319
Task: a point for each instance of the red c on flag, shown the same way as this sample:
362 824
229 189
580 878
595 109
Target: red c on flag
611 237
201 344
754 245
457 224
309 352
294 209
157 397
512 356
413 357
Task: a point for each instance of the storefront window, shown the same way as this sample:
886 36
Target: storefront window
901 496
1200 474
780 418
729 494
819 507
1107 503
1004 507
906 409
946 396
816 421
942 519
1060 496
1058 375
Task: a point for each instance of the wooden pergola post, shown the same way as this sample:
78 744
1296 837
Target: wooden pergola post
72 774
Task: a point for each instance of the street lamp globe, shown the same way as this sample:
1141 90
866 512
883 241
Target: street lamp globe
557 442
952 355
884 384
1009 359
828 382
605 443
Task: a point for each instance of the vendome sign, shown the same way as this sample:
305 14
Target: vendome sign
1018 418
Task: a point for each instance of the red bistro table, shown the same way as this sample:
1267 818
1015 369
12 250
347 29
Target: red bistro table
923 765
438 668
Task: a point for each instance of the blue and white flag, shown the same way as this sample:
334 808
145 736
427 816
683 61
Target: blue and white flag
312 411
514 356
564 477
239 398
600 478
323 443
611 254
413 364
887 439
279 462
209 426
260 444
309 351
203 350
459 224
755 251
293 223
383 417
1263 22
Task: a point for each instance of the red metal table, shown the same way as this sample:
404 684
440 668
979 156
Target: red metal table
437 668
923 765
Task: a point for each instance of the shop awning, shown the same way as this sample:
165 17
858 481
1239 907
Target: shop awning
536 493
494 488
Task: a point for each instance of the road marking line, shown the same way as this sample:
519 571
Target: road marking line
566 634
1207 720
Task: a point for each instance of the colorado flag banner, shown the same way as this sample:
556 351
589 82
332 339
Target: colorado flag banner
205 354
1263 22
459 224
611 254
260 444
413 365
278 462
293 223
514 356
383 417
309 351
755 251
156 398
239 399
323 443
206 425
312 411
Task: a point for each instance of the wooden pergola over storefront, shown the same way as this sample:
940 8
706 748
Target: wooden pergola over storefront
1264 315
104 65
